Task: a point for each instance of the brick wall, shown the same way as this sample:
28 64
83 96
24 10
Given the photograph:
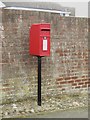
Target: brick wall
66 70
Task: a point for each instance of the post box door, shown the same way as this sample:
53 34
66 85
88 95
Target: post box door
45 41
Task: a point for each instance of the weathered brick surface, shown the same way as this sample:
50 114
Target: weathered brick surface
65 70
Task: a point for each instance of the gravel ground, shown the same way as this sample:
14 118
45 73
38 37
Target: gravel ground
30 107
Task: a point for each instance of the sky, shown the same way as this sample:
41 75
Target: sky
81 6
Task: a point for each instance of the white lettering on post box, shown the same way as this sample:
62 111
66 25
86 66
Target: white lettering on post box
44 44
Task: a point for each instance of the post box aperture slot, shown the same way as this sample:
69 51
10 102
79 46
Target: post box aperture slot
45 29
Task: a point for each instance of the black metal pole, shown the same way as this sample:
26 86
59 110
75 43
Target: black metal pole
39 80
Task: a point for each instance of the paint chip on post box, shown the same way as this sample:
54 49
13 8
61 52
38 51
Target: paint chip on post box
40 39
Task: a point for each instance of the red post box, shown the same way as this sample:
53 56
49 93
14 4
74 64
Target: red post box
40 39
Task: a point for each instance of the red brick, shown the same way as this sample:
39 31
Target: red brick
7 89
77 86
59 86
81 83
6 84
71 81
87 82
59 79
83 76
83 80
63 82
75 77
84 86
63 89
67 78
78 80
74 84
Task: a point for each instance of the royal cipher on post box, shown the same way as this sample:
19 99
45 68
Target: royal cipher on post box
40 39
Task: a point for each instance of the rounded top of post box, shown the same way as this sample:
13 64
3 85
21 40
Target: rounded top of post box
42 25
